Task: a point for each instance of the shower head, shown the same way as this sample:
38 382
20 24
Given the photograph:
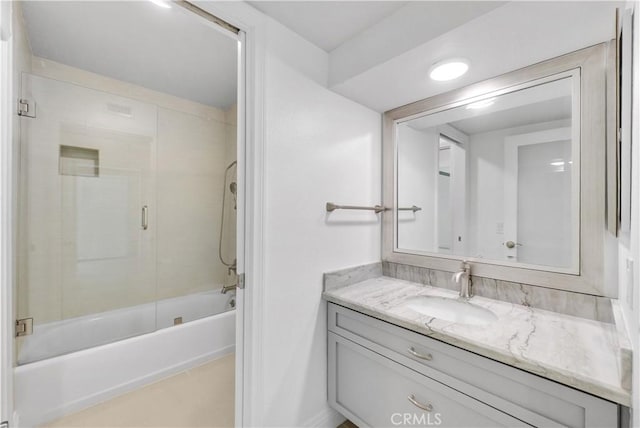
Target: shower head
233 187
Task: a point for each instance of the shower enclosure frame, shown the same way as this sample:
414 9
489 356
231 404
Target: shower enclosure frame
251 28
7 210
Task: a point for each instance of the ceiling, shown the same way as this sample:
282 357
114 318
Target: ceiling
172 51
547 102
511 36
328 24
167 50
541 112
379 51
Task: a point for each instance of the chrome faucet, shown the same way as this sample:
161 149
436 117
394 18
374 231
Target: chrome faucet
463 277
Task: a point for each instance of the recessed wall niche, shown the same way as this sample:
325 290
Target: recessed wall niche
79 161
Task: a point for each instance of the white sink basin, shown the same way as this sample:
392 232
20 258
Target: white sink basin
451 310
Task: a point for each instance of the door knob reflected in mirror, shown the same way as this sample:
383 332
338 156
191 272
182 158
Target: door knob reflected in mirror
511 244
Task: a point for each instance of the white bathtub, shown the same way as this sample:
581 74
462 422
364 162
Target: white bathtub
53 387
74 334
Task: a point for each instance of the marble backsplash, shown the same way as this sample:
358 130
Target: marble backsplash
353 275
565 302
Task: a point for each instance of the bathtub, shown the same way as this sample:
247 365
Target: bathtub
96 368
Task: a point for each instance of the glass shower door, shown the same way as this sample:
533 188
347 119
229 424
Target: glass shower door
87 225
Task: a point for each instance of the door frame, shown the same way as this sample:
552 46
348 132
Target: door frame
249 173
7 206
458 186
251 194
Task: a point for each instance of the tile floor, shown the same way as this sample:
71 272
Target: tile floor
200 397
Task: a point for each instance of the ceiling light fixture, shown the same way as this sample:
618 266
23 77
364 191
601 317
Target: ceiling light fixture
162 3
482 104
448 69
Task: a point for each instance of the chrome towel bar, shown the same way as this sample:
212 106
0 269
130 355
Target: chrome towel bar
413 208
332 207
377 208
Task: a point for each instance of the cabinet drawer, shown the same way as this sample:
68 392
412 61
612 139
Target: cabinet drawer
377 392
533 399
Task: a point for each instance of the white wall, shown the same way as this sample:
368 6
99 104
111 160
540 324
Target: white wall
319 147
305 166
418 183
440 226
310 146
629 243
486 189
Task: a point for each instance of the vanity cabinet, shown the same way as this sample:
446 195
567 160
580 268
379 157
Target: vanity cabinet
382 375
381 392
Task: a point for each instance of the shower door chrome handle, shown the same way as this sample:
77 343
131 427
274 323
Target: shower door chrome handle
145 217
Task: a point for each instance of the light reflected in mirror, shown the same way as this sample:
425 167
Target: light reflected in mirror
497 178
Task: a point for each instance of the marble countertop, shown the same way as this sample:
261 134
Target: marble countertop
577 352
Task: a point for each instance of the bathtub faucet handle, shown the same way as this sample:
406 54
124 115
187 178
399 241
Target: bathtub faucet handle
233 268
227 288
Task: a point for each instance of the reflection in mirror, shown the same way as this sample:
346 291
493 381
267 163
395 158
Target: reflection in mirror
497 178
445 230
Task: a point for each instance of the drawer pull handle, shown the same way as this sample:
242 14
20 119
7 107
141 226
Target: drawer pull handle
426 407
413 352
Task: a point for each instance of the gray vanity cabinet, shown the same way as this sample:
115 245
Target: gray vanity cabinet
377 391
382 375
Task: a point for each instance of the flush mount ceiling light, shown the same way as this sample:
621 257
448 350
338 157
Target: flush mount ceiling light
162 3
482 104
448 69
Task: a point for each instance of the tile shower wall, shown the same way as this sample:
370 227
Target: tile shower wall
192 145
230 224
191 165
77 250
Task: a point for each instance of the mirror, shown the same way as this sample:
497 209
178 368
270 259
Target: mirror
508 174
495 177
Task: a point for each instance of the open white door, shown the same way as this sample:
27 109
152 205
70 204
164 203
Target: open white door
539 228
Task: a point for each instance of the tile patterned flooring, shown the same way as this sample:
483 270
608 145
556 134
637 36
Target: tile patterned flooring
200 397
